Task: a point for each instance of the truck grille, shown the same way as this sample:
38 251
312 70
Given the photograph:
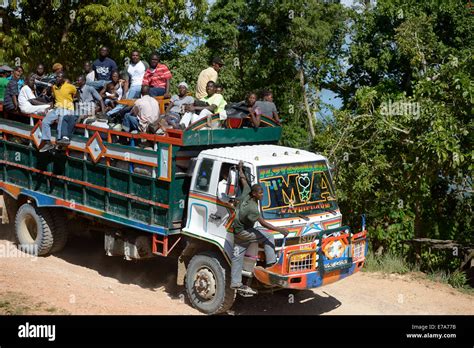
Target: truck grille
358 250
301 261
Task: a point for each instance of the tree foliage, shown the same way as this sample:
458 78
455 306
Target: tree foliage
409 168
71 32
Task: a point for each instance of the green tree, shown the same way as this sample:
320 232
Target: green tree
71 32
289 47
408 167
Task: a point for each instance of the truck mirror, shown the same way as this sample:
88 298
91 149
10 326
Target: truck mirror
232 183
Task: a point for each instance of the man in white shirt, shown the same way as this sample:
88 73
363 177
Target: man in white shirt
27 99
223 183
136 70
90 74
206 75
145 112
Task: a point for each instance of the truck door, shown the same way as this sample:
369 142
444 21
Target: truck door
200 204
208 215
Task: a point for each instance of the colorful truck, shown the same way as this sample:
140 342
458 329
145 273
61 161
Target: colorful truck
157 195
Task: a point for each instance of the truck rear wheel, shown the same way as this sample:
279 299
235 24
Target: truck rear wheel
33 230
208 283
60 233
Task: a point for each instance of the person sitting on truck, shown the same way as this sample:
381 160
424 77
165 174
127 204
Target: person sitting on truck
3 83
88 72
136 71
20 81
87 106
10 102
103 68
247 214
212 104
267 106
89 98
41 80
157 77
111 96
145 112
254 110
28 100
175 109
63 93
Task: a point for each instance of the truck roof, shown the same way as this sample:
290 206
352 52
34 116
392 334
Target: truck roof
264 154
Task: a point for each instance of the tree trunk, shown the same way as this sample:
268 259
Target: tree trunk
306 104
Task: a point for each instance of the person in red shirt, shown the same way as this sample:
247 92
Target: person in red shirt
157 76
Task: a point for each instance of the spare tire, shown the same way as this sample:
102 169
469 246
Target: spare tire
34 230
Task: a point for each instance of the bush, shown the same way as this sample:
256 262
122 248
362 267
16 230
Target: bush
456 279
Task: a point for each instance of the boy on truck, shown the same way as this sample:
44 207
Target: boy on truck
247 213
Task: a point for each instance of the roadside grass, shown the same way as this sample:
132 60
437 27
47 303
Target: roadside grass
13 303
389 263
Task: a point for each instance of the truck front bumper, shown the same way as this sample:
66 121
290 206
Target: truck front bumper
306 280
321 262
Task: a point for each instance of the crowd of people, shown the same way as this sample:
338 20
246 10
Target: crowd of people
97 92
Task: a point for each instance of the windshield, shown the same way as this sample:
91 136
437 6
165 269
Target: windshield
296 190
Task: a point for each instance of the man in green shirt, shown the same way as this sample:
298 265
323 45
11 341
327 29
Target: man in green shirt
3 83
214 103
247 214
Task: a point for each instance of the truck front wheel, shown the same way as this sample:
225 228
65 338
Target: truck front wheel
208 283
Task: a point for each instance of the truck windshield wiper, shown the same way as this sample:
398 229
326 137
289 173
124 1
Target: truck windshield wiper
305 218
280 214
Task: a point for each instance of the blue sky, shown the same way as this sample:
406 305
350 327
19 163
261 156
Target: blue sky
327 96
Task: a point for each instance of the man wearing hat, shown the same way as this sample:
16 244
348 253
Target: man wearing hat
175 109
209 74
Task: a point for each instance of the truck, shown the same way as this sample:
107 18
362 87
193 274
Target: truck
150 195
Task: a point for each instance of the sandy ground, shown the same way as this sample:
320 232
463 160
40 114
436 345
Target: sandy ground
82 280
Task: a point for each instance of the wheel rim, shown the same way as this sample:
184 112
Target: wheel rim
205 283
29 228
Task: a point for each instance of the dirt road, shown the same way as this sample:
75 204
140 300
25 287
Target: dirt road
82 280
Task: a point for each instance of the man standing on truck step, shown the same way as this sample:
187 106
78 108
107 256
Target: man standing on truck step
247 213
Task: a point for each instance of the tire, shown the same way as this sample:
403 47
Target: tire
60 233
33 230
215 296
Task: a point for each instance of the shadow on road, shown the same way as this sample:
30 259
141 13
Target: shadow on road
89 252
161 273
286 302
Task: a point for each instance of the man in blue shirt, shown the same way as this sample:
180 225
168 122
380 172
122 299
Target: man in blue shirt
103 67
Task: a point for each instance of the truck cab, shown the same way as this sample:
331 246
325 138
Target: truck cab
298 195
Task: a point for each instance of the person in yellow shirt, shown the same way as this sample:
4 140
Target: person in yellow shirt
64 94
206 75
